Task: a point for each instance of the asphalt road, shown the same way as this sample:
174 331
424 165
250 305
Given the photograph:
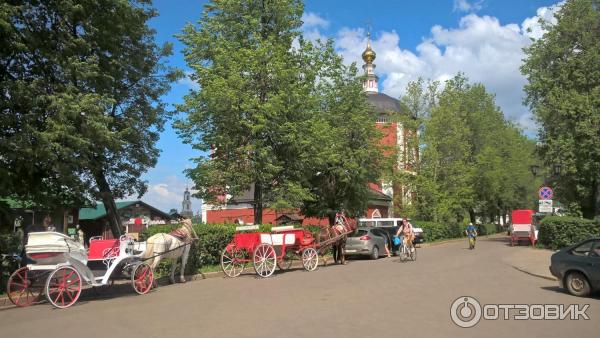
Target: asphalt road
365 298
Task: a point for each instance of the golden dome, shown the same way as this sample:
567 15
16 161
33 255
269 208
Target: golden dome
368 55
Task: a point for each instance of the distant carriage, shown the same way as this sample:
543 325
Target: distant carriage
523 227
278 248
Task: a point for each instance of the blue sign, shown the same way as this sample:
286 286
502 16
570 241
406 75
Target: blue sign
546 193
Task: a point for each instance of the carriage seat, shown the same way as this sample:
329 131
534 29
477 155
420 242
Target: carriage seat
277 239
101 249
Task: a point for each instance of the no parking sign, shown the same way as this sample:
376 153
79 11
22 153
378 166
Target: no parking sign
546 193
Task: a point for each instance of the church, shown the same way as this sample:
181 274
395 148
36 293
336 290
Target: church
385 199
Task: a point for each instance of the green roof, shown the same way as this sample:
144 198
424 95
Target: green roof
100 211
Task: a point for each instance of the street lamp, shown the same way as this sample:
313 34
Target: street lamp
535 169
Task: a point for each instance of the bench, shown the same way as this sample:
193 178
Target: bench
101 249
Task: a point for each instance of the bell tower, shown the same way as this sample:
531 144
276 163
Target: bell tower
370 85
186 205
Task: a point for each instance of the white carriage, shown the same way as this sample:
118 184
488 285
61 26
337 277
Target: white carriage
62 267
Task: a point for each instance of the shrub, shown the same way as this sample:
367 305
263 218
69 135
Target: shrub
488 229
206 251
433 231
558 232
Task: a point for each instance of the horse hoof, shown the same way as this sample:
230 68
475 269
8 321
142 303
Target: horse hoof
182 280
172 281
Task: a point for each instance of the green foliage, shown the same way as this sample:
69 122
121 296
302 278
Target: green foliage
9 243
206 251
433 231
558 232
472 160
81 109
488 229
563 69
289 121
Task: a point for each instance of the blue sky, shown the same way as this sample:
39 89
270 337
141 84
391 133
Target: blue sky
434 39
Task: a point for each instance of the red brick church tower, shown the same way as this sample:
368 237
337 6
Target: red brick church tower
394 133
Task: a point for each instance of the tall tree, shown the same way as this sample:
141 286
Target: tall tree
250 105
344 156
81 105
563 69
473 160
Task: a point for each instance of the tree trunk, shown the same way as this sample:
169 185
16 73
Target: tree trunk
258 203
109 203
472 215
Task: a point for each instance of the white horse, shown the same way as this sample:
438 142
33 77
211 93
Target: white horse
174 245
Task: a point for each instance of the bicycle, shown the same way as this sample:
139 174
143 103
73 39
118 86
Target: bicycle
406 252
472 240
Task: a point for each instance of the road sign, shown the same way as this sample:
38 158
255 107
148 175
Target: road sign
546 193
545 206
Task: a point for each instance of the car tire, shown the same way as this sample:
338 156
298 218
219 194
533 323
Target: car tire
375 252
577 284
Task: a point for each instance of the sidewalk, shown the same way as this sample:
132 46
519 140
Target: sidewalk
531 261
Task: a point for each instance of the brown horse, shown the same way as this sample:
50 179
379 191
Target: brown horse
340 230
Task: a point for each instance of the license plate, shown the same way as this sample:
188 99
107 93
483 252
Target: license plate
351 250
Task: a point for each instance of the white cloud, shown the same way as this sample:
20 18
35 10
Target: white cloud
466 6
481 47
311 20
168 194
532 27
188 82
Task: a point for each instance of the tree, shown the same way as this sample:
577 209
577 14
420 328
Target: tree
81 104
473 161
563 69
344 156
249 111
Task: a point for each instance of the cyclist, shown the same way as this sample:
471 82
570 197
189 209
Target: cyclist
471 233
406 233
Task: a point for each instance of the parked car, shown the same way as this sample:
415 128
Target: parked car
577 267
390 225
367 241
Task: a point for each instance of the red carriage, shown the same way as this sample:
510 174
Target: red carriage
278 248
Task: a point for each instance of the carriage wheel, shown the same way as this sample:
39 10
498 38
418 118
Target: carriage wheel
265 260
142 278
310 259
286 261
232 262
63 287
24 287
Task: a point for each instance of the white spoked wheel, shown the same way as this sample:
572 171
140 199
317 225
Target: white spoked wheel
142 278
63 287
232 261
310 259
265 260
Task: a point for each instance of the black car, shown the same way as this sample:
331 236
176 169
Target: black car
578 267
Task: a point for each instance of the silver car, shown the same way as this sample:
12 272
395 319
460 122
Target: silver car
367 241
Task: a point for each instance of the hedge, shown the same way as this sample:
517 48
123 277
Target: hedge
488 229
9 243
433 231
560 231
206 251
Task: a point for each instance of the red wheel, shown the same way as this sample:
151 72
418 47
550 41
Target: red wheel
142 278
24 287
63 287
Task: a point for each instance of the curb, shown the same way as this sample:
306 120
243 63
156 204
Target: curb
534 274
